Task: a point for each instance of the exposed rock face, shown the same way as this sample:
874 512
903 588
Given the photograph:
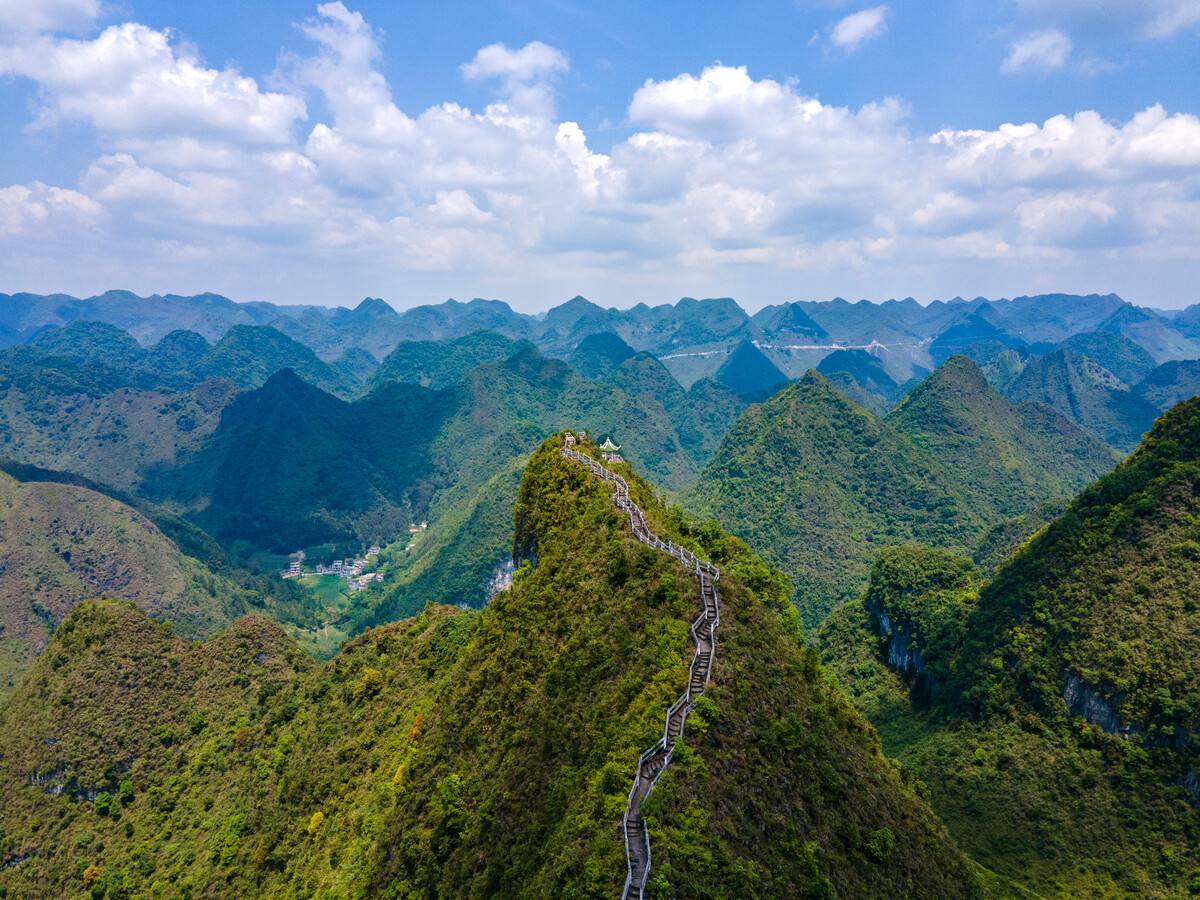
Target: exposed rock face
1085 701
1191 785
903 651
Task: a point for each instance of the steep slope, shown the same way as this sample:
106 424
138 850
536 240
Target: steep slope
598 354
465 754
439 364
1152 332
1087 393
1001 365
749 374
1072 673
291 466
110 434
249 355
1170 383
1006 458
973 329
1116 572
1121 356
818 484
61 544
862 378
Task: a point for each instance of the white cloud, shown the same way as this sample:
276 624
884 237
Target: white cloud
1039 51
40 208
855 29
130 80
524 74
744 183
46 15
1063 217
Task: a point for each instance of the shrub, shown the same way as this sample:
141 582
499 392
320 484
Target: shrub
315 823
880 844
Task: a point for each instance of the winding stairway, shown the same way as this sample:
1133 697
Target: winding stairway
656 758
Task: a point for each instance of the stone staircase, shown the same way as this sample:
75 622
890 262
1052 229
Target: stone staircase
657 757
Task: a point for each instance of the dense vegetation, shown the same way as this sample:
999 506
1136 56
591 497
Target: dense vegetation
862 378
440 364
819 484
291 466
1086 392
749 374
1006 458
463 754
1071 674
61 544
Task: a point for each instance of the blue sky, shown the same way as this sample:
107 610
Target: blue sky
626 151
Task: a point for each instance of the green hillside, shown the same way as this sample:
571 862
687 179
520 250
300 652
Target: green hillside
61 544
598 354
862 378
440 364
291 466
1121 356
818 484
1170 383
1052 711
464 754
749 373
1086 392
1105 595
1006 458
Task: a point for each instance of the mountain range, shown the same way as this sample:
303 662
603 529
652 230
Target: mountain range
465 753
994 588
692 337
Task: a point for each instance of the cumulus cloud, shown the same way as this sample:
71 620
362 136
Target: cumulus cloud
131 80
40 208
524 74
857 28
1039 51
727 179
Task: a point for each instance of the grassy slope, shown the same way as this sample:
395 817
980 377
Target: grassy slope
462 754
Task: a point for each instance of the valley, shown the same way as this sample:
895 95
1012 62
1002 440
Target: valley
474 641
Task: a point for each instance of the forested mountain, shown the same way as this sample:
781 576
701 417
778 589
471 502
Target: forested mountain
1070 674
1005 458
598 354
1086 392
61 544
692 337
291 466
749 374
459 753
440 364
1170 383
1119 355
862 378
819 484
